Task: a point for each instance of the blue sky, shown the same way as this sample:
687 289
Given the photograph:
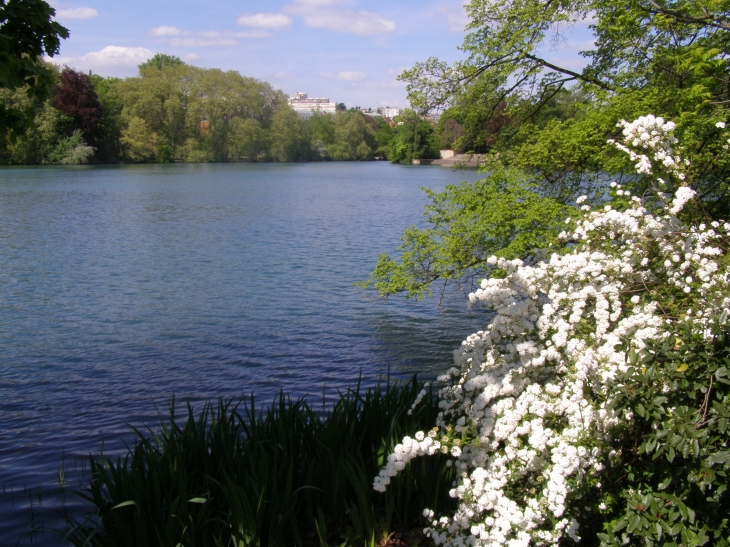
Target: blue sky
348 50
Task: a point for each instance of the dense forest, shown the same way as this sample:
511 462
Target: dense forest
174 112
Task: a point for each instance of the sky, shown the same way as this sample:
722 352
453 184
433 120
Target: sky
350 51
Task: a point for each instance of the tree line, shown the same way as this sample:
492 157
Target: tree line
175 112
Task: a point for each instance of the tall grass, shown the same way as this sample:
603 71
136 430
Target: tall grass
289 475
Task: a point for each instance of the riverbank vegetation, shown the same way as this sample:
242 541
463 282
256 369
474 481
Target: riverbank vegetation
294 474
174 112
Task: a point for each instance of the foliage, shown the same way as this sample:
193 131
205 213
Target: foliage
177 112
353 139
413 138
667 481
76 98
288 138
27 33
109 148
72 150
33 146
247 140
289 475
540 403
503 213
160 61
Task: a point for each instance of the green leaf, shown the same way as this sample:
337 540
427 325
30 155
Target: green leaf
124 504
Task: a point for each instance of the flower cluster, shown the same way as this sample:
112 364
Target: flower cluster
529 391
654 135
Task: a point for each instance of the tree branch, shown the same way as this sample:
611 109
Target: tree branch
576 75
709 19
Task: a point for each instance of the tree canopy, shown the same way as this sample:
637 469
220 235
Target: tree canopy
551 123
27 33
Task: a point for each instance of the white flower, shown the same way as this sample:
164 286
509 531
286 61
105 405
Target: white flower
547 356
720 125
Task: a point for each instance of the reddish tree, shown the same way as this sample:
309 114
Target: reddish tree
76 97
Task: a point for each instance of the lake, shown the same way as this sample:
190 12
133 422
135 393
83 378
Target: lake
123 285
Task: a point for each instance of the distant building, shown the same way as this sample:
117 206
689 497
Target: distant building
305 107
391 112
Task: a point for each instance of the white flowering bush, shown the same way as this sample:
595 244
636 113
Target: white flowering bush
527 412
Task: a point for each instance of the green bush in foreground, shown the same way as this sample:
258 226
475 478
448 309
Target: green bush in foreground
668 474
288 475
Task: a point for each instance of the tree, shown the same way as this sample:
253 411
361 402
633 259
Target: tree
27 33
321 129
353 138
110 126
160 61
289 141
465 225
413 137
667 58
76 97
246 140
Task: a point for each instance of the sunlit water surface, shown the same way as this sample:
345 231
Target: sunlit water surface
121 286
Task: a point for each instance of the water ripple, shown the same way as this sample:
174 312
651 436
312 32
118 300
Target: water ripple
121 286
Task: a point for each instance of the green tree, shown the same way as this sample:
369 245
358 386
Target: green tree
246 140
321 128
139 141
108 143
160 61
27 33
34 145
665 58
289 140
413 138
465 225
354 139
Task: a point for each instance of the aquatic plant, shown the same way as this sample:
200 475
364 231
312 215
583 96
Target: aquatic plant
291 474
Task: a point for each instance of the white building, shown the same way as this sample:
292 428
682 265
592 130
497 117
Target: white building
305 107
391 112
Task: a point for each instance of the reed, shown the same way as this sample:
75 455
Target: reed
230 475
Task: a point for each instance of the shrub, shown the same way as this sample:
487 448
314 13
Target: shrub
534 404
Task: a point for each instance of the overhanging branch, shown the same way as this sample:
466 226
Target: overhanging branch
707 18
576 75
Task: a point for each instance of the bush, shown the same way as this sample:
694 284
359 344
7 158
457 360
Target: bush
534 412
667 479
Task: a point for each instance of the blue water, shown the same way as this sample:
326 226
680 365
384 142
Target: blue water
121 286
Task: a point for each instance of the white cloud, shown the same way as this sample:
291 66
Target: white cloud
110 61
165 31
279 75
455 17
383 84
205 38
344 76
328 15
585 45
273 21
191 57
76 13
203 42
